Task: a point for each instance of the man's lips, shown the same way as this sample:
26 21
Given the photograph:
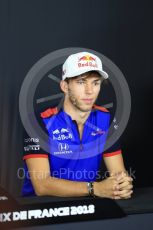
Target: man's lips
87 100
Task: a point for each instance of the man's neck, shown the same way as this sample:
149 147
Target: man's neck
79 116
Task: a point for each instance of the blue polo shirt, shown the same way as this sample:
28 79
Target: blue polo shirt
70 157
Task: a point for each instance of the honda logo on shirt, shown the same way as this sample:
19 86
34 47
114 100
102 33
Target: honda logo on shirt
63 147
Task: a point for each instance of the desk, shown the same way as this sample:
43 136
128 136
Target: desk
131 222
139 211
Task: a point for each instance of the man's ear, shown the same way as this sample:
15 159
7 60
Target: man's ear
64 86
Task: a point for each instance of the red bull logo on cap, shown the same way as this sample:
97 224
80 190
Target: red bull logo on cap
87 60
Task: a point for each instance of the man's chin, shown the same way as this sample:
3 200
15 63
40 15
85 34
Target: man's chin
86 108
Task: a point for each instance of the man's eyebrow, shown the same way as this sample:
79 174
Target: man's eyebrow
85 78
81 78
98 79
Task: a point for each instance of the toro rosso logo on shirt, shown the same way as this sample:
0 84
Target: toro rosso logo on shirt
61 134
97 132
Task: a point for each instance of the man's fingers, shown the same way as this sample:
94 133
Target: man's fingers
117 197
127 195
125 185
123 193
123 179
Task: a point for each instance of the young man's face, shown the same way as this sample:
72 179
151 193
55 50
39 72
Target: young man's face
83 91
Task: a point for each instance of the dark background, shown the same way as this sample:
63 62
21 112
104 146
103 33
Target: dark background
122 30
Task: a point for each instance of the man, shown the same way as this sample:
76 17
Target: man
77 135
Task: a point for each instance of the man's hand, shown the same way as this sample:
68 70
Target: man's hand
106 188
124 187
117 186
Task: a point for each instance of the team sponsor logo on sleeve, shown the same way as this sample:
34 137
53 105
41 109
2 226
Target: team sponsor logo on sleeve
116 126
32 147
31 139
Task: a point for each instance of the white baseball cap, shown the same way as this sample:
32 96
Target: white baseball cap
79 63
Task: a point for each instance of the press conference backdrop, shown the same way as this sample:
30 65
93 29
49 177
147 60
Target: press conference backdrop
120 30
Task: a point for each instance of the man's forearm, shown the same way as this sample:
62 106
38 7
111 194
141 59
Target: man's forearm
51 186
59 187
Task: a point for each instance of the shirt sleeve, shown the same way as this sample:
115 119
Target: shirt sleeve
115 149
32 148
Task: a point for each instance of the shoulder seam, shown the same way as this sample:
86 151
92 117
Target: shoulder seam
103 109
49 112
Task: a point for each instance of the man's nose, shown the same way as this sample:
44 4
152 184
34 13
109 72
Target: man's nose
88 89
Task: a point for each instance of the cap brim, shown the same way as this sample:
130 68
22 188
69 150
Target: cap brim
102 73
